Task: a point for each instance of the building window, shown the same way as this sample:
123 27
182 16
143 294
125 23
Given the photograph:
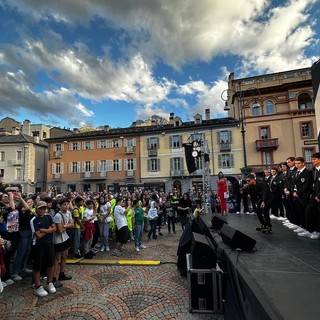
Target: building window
131 142
306 130
19 174
130 164
176 164
308 152
153 143
103 166
58 168
74 146
153 165
2 156
75 167
116 165
198 161
175 142
88 145
1 173
58 147
269 107
304 101
103 144
87 166
225 161
265 133
255 109
267 158
19 155
224 136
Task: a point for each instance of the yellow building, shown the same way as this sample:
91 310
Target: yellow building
278 116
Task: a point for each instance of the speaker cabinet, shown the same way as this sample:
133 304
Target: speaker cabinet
203 255
236 239
218 222
190 160
199 226
184 248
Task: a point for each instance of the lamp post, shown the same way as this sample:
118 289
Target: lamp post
241 113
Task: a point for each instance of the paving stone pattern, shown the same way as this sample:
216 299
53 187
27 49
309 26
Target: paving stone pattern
111 291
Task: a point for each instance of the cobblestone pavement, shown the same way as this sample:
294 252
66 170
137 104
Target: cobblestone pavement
111 291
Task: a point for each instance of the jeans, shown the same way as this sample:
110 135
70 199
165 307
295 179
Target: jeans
138 231
104 233
76 240
23 251
171 221
153 228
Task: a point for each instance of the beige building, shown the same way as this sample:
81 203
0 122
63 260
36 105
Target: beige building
144 156
278 116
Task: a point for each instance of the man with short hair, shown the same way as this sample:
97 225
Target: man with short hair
312 212
42 249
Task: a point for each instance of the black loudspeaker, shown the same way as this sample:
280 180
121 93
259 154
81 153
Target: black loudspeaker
199 226
184 248
236 239
218 222
203 255
190 160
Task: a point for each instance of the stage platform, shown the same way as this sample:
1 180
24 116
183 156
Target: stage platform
280 279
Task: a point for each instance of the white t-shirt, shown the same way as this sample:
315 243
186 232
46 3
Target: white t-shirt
88 213
120 217
62 218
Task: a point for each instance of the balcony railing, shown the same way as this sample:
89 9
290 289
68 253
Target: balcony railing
152 152
225 146
129 149
14 162
57 154
178 173
267 144
93 175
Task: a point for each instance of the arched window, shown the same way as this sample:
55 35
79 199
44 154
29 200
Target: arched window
269 107
255 109
304 101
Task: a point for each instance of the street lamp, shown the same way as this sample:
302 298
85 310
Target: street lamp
240 94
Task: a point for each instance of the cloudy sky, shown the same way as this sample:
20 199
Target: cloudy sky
72 63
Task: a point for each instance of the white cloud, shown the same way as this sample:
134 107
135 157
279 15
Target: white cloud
16 93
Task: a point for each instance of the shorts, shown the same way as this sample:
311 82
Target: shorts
122 235
60 247
43 256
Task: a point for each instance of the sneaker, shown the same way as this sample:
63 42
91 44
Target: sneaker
16 277
260 228
102 249
273 216
107 249
57 284
77 256
247 212
1 286
88 256
282 219
315 235
93 253
40 292
27 270
293 226
142 246
305 234
237 212
267 230
137 249
299 230
51 288
252 213
9 282
64 277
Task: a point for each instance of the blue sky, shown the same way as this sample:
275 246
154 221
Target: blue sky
73 63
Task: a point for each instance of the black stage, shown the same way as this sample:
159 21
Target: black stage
278 280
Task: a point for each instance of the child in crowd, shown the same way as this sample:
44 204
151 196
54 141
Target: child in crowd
138 222
170 213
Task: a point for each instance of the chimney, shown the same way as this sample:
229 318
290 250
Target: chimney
207 113
15 130
171 116
106 127
76 130
26 127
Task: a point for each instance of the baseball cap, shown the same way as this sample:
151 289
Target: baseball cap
41 204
